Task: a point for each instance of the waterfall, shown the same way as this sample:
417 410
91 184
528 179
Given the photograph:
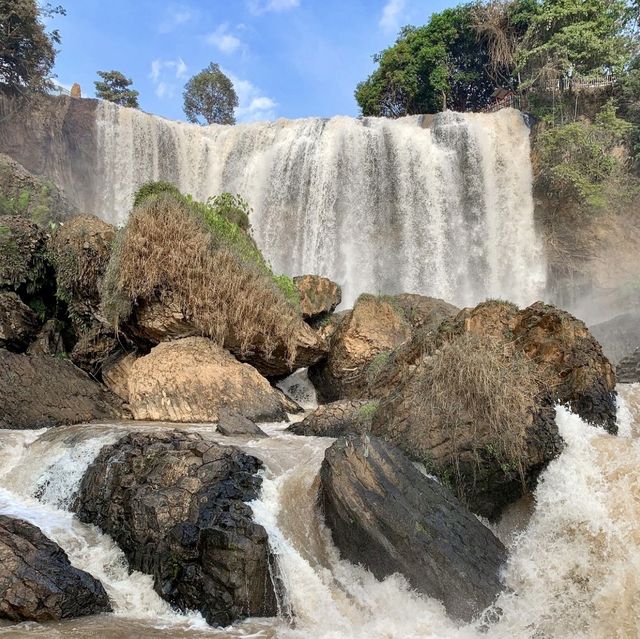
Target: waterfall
436 205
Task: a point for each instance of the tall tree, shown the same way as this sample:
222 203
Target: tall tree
440 65
209 97
27 50
115 87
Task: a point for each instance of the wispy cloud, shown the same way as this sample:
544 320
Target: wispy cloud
175 15
253 104
224 40
164 73
258 7
391 15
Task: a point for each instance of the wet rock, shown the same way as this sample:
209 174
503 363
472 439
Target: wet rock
628 370
231 424
38 391
192 379
49 340
37 581
18 323
176 505
337 419
387 516
371 330
319 296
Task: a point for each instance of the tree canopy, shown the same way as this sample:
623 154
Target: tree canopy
115 87
27 50
209 97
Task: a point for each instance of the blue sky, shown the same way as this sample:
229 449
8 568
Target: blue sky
287 58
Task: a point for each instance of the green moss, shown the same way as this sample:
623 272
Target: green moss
367 411
154 188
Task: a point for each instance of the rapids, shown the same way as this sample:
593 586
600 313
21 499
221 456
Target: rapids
573 572
439 205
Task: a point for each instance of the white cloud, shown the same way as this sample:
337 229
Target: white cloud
391 15
258 7
253 104
164 73
223 40
175 15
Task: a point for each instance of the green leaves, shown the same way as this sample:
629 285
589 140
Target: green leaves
114 87
209 97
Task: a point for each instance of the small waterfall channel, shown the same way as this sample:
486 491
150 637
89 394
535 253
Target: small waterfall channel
573 571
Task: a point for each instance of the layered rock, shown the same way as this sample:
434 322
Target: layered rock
18 323
319 296
41 391
372 329
115 374
192 379
49 340
37 581
176 505
96 347
628 370
387 516
337 419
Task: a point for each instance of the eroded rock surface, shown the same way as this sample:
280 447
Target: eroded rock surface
337 419
176 505
37 581
628 370
18 323
318 295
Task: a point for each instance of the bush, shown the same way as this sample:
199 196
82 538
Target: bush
170 248
154 188
233 208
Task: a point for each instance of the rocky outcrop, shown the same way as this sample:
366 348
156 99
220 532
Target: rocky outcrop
192 379
426 313
96 347
37 581
115 374
618 336
42 391
18 323
628 370
386 515
319 296
32 197
371 330
176 505
80 249
337 419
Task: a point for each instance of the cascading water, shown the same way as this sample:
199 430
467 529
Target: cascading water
440 206
573 570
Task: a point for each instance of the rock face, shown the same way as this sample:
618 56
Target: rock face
318 295
628 370
96 348
18 323
372 329
175 504
49 340
386 515
115 374
42 391
337 419
191 379
37 581
619 335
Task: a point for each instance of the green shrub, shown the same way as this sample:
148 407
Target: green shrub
290 290
233 208
153 188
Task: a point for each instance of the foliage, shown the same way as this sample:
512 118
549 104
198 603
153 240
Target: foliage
35 205
289 289
209 97
154 188
27 51
169 251
233 208
115 87
23 260
580 162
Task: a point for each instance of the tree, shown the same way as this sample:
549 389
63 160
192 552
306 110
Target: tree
209 97
430 68
27 51
114 87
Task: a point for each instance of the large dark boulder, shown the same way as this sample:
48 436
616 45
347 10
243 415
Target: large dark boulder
176 505
18 323
337 419
37 581
39 391
386 515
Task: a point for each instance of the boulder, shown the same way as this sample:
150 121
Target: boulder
319 296
231 424
115 374
38 391
80 250
192 379
49 340
18 323
336 419
177 506
628 370
37 581
371 330
386 515
423 312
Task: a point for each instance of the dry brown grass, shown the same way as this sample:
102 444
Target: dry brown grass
167 250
